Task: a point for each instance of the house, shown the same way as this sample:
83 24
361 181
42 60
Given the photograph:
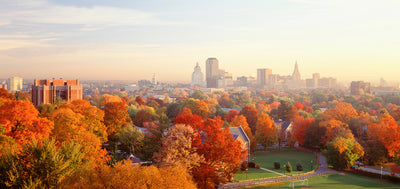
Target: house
283 127
239 135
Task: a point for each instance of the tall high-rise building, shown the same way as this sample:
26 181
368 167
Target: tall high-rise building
262 76
51 90
197 77
15 84
154 79
212 72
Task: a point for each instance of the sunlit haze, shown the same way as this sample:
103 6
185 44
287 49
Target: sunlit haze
131 40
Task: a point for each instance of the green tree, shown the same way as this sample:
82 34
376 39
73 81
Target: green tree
41 164
130 138
341 153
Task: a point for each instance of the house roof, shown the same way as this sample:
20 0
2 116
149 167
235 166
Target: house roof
283 124
228 109
239 132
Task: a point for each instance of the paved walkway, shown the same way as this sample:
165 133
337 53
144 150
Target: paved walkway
273 171
322 170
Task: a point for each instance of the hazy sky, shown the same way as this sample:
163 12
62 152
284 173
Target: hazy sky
130 40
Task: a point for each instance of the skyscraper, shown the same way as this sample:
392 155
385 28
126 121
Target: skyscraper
154 79
15 84
197 77
295 81
212 72
262 76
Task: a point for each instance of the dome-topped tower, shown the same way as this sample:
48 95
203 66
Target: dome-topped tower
197 76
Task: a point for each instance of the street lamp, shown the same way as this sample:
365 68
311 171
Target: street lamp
284 169
311 165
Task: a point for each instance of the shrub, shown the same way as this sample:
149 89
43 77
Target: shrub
288 167
299 167
257 166
277 165
243 167
251 164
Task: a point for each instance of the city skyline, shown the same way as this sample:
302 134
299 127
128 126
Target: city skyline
131 40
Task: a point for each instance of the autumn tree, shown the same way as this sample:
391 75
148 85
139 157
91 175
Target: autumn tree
299 127
286 111
198 107
4 94
342 112
145 115
231 114
221 152
342 153
124 175
115 116
199 95
240 120
70 127
177 148
266 132
130 139
388 133
225 101
21 121
139 100
251 115
46 110
40 164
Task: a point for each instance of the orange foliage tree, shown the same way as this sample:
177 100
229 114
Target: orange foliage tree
342 112
124 175
300 124
20 120
266 132
70 126
388 133
240 120
115 116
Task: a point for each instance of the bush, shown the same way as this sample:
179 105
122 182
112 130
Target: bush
257 166
299 167
277 165
243 167
251 164
288 167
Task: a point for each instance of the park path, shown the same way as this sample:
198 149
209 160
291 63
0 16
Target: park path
322 170
272 171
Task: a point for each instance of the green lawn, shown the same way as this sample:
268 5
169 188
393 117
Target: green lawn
253 174
341 182
267 159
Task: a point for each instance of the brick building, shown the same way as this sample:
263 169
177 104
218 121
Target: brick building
47 91
360 87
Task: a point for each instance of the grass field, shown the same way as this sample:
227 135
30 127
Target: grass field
340 182
267 159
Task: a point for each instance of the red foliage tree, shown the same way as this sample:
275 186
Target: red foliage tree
222 154
298 105
251 115
300 124
231 114
21 121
